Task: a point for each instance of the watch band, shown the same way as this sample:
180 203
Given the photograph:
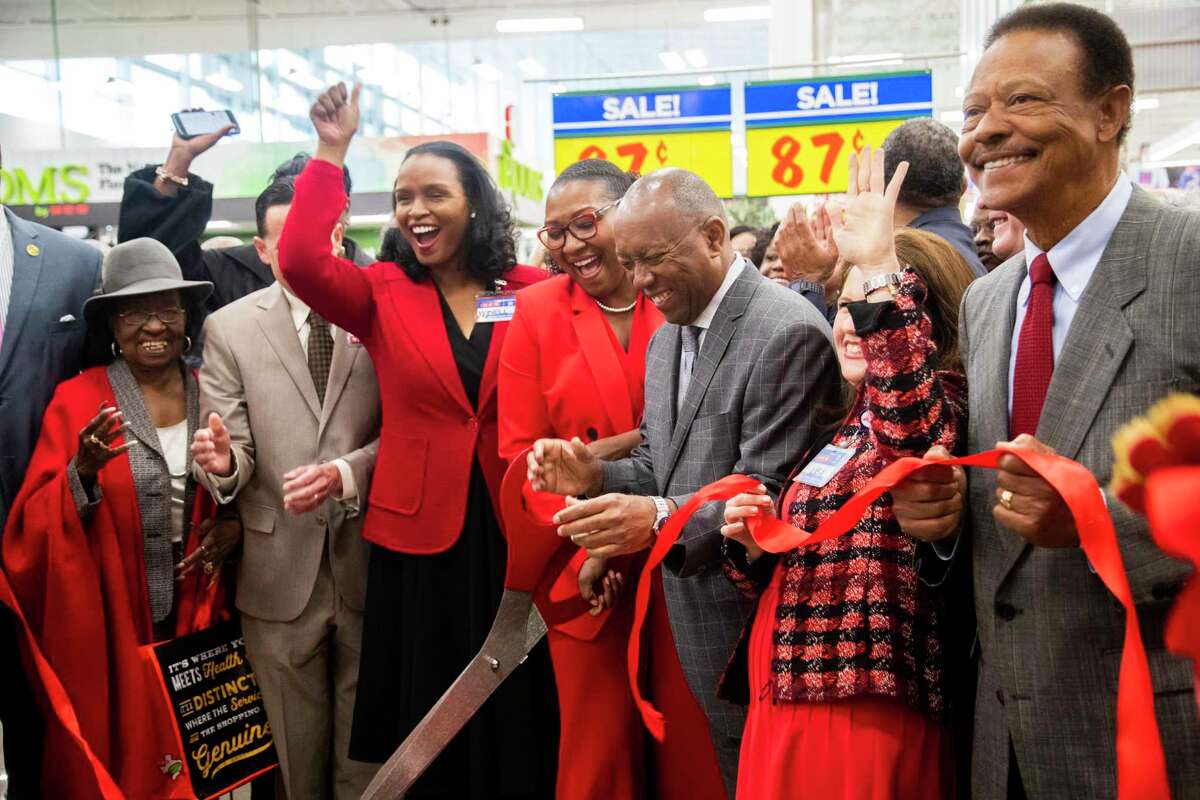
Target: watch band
662 512
890 280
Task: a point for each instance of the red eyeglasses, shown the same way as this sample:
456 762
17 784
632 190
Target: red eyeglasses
582 227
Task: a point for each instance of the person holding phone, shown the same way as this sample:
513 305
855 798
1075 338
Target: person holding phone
434 324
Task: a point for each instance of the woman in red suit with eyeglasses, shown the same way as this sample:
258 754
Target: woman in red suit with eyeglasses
438 555
573 365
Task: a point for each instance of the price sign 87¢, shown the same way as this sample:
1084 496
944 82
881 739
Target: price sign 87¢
808 159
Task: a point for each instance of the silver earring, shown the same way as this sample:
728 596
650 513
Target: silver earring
116 353
187 343
472 215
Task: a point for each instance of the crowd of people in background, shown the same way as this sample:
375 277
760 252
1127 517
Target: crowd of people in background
324 435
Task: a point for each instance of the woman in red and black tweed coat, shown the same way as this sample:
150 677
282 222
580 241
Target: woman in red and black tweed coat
847 683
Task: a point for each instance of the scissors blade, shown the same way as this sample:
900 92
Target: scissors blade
516 629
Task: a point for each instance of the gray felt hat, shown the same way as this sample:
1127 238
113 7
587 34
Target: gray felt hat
140 266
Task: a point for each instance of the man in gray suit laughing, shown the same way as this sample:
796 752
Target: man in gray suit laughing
733 383
1086 328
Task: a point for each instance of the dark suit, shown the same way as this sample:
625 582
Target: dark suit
765 366
947 223
52 276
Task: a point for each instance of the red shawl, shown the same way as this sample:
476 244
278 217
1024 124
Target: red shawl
80 593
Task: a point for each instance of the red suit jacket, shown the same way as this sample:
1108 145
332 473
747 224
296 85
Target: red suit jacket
79 593
563 374
430 431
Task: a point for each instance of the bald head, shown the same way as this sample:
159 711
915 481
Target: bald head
671 231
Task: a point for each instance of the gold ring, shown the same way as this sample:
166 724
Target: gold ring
92 438
1006 497
208 568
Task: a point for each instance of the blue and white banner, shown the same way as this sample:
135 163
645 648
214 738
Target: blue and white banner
859 97
637 111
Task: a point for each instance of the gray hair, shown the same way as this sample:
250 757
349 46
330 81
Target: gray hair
935 173
690 194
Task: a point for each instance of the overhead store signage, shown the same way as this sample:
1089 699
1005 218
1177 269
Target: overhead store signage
645 130
799 133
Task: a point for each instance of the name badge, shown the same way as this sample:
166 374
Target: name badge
495 306
824 466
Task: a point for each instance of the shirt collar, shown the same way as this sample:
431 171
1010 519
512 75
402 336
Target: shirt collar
299 309
705 319
1076 257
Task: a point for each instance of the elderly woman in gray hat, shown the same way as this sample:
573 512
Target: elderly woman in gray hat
108 547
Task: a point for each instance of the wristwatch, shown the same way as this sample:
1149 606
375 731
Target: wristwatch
662 512
890 280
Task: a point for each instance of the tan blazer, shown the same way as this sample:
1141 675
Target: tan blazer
256 377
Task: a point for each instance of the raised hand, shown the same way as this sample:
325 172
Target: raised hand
95 442
335 117
805 252
182 153
307 487
562 467
211 448
863 226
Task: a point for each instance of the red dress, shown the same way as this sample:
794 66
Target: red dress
845 664
563 373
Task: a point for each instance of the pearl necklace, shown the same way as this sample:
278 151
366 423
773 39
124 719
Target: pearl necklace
622 310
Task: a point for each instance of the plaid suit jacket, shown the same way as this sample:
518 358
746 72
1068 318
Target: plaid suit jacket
766 365
1050 633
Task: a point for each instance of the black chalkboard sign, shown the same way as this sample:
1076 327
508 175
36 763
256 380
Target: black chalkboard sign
218 709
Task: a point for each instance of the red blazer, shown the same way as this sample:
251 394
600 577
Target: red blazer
430 432
563 374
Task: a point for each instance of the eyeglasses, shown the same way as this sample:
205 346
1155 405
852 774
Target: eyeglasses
582 227
167 316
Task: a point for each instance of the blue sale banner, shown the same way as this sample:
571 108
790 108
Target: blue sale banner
844 98
640 111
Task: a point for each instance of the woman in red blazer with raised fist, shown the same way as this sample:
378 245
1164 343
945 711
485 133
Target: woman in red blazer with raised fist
573 365
438 555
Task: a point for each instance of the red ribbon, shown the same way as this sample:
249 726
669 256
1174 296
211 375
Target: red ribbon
1141 767
1175 526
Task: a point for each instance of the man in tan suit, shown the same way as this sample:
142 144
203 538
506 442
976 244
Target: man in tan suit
293 412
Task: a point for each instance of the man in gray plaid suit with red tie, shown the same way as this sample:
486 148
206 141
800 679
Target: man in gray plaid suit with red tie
733 382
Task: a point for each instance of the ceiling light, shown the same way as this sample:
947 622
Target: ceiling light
672 61
696 58
539 25
1145 104
531 67
486 71
864 59
223 81
707 80
1171 144
737 14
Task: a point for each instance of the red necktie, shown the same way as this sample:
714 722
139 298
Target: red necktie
1035 351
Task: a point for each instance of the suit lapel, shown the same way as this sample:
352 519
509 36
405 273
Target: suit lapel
27 270
716 341
1100 336
605 365
420 313
280 332
344 356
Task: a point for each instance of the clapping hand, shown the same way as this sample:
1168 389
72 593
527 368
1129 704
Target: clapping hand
95 442
806 248
562 467
863 227
335 116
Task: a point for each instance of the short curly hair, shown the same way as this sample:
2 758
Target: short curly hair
762 240
935 172
491 248
1105 54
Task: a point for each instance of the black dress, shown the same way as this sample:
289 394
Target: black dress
426 617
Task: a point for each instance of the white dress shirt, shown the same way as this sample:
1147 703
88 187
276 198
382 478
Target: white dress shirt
300 310
1074 260
6 270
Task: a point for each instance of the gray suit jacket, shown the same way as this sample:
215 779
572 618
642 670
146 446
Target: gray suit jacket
1051 634
256 377
766 364
44 338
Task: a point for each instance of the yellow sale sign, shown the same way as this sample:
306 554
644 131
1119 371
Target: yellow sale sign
808 159
707 153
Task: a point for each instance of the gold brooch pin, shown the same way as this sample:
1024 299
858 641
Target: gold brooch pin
32 249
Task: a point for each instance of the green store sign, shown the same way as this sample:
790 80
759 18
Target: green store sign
61 184
515 177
